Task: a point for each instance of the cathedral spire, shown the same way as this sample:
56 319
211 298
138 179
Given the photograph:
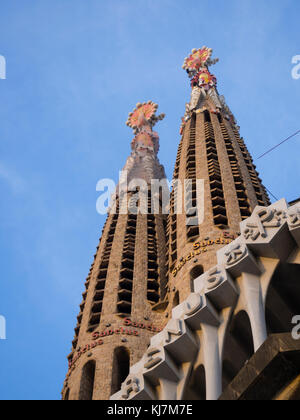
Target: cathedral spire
144 115
127 283
143 163
203 83
211 150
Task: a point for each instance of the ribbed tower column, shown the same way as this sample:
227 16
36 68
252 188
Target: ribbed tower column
127 280
211 150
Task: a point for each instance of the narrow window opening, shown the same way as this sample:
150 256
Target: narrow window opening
87 381
207 116
121 366
176 300
194 273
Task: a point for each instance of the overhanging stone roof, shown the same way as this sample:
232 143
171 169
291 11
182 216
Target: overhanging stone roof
275 364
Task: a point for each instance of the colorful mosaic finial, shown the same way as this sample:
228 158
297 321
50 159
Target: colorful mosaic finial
196 65
204 79
203 83
142 120
198 59
143 115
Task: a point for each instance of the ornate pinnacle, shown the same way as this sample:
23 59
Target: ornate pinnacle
196 65
142 120
199 59
203 83
144 116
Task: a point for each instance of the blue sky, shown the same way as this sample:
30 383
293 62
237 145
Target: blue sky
75 68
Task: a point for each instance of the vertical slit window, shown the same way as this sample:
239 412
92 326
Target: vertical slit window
124 303
260 191
176 300
192 227
153 288
194 273
239 184
215 177
96 309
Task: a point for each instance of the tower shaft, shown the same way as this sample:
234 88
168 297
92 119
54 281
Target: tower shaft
127 278
222 185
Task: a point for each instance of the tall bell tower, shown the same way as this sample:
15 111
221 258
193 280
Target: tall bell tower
128 276
222 186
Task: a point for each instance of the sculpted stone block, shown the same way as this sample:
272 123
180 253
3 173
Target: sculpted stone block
266 232
137 388
196 309
219 287
237 258
178 340
294 222
159 364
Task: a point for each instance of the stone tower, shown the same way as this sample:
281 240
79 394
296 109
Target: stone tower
212 153
127 278
233 264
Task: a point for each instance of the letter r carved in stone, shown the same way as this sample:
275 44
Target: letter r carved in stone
235 254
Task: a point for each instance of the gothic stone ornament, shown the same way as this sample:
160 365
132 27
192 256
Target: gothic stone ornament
177 340
266 232
237 258
218 287
294 222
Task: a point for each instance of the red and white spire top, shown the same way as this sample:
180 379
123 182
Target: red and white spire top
198 59
196 66
142 120
143 116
